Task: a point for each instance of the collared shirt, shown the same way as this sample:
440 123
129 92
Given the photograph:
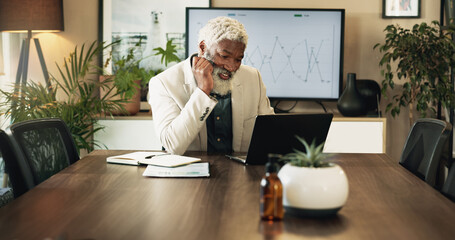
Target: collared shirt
219 126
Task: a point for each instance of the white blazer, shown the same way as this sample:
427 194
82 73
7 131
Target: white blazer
180 108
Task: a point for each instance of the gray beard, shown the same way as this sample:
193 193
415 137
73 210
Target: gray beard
220 86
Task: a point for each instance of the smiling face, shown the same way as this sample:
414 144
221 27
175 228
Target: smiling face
227 57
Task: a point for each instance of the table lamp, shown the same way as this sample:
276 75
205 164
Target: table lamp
31 16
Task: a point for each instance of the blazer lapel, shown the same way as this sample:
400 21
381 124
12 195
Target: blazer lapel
237 99
190 83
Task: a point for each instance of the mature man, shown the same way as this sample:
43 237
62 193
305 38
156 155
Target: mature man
210 101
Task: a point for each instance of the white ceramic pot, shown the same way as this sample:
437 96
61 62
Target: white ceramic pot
313 191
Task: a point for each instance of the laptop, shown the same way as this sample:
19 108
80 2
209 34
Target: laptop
276 134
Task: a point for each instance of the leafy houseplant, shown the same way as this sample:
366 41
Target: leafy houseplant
311 185
127 71
78 106
127 68
129 76
168 55
423 56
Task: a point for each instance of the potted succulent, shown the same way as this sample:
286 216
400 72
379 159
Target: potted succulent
312 186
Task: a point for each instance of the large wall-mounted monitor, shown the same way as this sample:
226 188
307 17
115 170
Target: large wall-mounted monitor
299 52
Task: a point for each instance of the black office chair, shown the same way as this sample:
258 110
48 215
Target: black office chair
423 149
448 188
47 146
13 161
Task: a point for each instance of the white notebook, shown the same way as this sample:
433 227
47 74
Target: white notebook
152 158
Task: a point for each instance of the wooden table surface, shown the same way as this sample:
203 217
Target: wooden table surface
95 200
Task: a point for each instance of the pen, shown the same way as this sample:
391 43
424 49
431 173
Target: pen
150 156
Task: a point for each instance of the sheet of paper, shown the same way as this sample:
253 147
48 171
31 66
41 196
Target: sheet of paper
190 170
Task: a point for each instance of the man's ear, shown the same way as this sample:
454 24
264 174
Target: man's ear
202 48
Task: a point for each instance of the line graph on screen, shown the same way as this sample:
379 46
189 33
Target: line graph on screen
297 52
301 60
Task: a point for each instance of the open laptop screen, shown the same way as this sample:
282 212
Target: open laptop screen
276 134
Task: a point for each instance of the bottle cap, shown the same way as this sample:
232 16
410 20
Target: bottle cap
272 166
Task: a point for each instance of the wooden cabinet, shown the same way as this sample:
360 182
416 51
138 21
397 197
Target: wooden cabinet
128 133
346 135
356 135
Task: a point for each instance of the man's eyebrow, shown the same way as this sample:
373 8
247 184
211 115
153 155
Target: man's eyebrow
226 51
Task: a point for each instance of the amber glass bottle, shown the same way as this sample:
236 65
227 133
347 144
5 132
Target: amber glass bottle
271 191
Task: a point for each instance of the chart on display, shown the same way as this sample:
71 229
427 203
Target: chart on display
299 52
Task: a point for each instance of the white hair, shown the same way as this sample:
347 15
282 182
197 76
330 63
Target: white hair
221 28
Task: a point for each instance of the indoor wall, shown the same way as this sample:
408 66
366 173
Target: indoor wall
363 29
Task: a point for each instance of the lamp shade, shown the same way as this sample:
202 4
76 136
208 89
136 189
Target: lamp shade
34 15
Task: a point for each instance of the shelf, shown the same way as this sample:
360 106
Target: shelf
138 116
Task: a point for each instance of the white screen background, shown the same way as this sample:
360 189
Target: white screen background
296 51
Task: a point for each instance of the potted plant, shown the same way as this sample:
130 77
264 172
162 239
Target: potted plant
168 56
129 77
422 56
312 186
72 97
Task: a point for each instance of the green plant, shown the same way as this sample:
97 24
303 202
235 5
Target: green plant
127 68
168 55
79 106
127 71
311 157
423 56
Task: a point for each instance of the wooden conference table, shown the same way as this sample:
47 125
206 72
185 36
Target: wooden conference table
95 200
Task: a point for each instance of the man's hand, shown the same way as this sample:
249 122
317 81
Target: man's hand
202 71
